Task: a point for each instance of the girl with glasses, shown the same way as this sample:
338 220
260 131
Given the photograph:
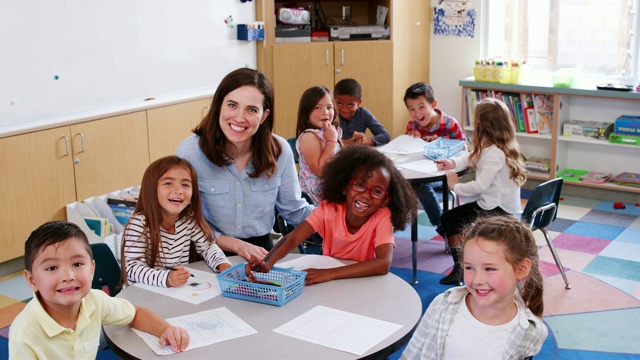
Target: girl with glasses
364 200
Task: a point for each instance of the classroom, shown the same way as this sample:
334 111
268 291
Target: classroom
103 90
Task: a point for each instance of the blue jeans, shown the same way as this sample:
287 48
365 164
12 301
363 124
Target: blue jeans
430 202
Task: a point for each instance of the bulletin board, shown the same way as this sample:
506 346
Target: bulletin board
68 56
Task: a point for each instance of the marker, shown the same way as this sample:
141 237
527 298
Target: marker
172 269
149 99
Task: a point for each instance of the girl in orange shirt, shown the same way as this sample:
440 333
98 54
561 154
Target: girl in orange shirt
366 199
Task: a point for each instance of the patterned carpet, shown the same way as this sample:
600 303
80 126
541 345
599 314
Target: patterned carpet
600 249
598 245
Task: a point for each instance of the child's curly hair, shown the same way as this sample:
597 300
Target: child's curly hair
337 175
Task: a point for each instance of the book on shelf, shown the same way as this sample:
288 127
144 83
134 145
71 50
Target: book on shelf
529 112
122 209
543 105
99 225
537 164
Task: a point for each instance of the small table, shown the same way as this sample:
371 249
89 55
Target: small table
385 297
417 178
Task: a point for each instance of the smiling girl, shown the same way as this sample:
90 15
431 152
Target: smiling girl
366 199
167 219
318 135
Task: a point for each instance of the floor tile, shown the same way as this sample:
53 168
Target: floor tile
16 288
622 250
623 269
6 301
571 212
629 235
574 260
560 224
580 243
577 331
628 286
607 232
9 313
578 202
609 218
630 208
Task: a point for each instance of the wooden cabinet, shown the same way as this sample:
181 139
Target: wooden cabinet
569 152
37 181
384 68
169 125
109 154
303 65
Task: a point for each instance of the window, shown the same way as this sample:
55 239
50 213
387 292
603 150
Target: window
595 35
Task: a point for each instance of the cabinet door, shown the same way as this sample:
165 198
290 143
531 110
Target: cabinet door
37 182
169 125
370 63
110 154
299 67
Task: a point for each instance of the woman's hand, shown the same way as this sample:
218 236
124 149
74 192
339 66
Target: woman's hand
177 337
242 248
178 276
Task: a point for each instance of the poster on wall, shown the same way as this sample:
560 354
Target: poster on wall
454 18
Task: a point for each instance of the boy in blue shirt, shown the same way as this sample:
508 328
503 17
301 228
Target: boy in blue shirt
355 120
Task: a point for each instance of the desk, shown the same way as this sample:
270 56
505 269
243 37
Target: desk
386 297
417 178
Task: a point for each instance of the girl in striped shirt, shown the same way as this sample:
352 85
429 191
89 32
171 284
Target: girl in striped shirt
167 219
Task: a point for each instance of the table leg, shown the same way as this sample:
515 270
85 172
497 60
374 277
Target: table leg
414 250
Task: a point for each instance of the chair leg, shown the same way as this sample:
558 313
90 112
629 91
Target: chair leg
454 203
556 257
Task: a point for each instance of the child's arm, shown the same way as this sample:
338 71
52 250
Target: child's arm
148 321
312 151
380 265
291 241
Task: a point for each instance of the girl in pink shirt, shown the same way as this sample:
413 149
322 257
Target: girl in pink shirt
365 199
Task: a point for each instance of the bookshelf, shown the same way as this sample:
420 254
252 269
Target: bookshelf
565 152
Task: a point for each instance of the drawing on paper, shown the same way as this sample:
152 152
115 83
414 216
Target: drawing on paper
454 18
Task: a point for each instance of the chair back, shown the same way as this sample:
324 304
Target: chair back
292 143
107 274
542 207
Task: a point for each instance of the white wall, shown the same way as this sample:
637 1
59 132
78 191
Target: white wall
452 59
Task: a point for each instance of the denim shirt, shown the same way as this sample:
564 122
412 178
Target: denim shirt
238 206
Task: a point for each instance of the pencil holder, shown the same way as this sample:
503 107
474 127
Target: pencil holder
244 33
284 285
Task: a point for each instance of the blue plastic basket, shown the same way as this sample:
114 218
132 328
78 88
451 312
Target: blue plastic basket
233 283
443 148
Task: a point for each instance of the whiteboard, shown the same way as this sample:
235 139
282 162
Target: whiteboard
69 56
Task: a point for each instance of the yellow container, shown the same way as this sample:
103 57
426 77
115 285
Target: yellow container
489 73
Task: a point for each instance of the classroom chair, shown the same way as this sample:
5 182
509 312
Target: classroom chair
541 211
107 273
283 228
292 144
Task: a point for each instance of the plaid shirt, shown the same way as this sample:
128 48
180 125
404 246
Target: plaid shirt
428 340
448 128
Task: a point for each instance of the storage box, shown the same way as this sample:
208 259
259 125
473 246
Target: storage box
624 139
491 73
287 285
628 179
627 125
572 174
245 33
443 148
596 130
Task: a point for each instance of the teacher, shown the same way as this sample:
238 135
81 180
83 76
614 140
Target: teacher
244 170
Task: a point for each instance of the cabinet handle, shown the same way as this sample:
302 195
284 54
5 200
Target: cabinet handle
81 142
66 145
342 54
327 61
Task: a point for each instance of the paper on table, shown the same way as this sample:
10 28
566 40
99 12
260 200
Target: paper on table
403 144
201 287
338 329
204 328
423 166
311 261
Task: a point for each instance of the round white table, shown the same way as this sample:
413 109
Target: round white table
386 297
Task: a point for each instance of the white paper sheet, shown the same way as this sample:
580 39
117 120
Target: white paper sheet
403 144
424 166
338 329
204 328
201 287
310 261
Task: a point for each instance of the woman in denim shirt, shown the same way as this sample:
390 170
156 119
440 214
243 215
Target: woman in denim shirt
244 170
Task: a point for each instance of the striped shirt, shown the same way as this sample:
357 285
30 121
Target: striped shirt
174 250
448 128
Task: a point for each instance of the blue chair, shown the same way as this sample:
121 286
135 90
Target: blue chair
541 211
283 228
292 143
106 277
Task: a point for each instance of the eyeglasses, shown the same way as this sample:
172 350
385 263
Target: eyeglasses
361 187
